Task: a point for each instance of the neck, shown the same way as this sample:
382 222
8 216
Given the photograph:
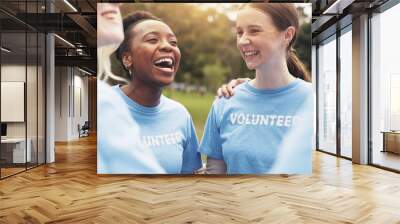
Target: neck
143 93
272 76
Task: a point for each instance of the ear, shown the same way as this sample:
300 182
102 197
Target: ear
289 34
127 60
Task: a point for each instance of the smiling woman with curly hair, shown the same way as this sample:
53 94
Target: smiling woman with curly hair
151 55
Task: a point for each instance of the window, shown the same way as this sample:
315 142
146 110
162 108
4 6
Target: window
327 95
385 87
22 68
346 93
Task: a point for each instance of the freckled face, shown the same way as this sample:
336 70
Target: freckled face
258 40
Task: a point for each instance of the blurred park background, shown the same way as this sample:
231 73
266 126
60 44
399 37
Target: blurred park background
207 41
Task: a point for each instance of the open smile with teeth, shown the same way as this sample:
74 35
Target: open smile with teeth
165 64
251 53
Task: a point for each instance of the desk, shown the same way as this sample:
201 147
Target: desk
391 141
17 150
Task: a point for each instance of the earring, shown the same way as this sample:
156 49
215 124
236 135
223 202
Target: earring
129 71
127 68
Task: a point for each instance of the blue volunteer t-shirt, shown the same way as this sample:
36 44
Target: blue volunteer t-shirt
168 131
247 130
119 150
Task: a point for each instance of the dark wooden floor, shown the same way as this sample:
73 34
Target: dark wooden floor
70 191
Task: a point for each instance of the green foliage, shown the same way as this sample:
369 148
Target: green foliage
207 41
214 76
187 77
198 106
303 44
205 36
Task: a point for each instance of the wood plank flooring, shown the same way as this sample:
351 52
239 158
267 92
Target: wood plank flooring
70 191
9 171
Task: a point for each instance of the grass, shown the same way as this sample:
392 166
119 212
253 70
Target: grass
198 106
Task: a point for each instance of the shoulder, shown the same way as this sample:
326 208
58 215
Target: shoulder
241 93
301 90
305 87
219 107
106 91
103 88
111 108
107 94
220 103
174 106
306 93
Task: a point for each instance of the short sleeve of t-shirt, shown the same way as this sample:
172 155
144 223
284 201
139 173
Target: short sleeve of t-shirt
191 157
211 144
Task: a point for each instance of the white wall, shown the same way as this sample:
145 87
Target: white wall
71 102
16 73
80 83
61 103
12 101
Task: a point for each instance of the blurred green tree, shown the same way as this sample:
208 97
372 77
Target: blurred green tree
303 44
214 75
207 41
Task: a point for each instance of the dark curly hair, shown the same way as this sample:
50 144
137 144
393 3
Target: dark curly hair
129 22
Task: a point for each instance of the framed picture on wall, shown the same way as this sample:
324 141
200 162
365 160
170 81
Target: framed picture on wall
157 111
12 101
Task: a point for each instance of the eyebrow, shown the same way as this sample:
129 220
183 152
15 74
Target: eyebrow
251 26
158 34
254 26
